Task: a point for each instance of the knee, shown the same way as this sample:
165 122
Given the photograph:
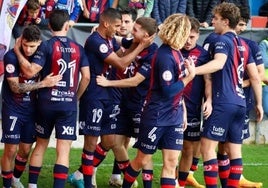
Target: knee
171 162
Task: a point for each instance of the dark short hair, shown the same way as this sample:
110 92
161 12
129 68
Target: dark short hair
130 11
110 15
33 5
244 14
31 33
57 19
195 24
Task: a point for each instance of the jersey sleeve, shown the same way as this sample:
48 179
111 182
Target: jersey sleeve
84 60
166 73
145 69
98 47
10 65
41 54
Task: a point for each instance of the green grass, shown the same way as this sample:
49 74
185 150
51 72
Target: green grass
255 159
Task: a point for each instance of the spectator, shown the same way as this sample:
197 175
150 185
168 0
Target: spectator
92 10
264 51
73 7
202 10
143 7
30 14
47 7
163 9
239 3
122 4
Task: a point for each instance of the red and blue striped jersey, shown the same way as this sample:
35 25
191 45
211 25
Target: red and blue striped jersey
64 56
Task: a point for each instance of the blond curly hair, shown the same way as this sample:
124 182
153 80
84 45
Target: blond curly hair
175 30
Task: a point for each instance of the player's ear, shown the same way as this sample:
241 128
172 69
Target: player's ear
146 34
106 24
66 26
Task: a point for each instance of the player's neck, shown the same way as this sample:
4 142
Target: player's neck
102 32
59 33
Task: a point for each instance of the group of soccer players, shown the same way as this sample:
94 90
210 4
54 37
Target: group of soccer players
131 88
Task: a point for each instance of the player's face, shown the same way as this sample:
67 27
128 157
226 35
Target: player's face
29 48
138 33
240 27
192 40
126 26
113 28
218 23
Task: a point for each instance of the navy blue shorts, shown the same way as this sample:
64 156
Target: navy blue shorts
192 132
98 117
166 137
129 122
17 127
226 123
63 121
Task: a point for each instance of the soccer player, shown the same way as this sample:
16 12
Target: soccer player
255 51
96 106
57 106
194 93
231 57
164 117
129 16
136 87
18 114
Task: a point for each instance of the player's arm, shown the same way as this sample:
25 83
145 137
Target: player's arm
85 78
207 106
29 69
128 82
184 115
121 63
176 87
48 81
212 66
261 71
257 88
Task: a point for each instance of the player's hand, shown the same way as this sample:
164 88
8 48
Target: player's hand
147 41
37 20
259 113
42 2
204 24
50 80
86 13
207 109
265 81
190 67
17 45
94 28
102 81
71 23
